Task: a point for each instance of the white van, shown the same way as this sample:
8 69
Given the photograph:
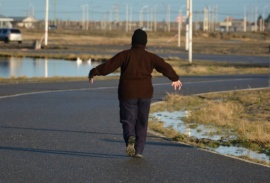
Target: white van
8 34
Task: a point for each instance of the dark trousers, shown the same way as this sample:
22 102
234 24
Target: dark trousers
134 118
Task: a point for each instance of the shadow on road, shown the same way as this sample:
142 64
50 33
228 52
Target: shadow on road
57 130
155 143
59 152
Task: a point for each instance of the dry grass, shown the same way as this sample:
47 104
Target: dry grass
210 43
182 68
217 113
247 113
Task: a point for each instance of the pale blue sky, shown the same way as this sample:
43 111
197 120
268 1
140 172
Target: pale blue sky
100 9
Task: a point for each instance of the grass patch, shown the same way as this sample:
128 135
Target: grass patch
246 113
200 67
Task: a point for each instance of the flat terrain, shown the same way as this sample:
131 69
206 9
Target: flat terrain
83 42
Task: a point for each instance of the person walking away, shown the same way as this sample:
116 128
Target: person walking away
135 88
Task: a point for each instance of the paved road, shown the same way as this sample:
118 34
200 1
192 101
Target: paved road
70 132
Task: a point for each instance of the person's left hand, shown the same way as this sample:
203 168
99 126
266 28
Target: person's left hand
177 85
91 80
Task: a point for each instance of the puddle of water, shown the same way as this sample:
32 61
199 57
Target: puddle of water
241 151
32 67
173 119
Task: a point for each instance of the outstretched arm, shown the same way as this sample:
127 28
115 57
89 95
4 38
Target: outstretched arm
90 78
177 85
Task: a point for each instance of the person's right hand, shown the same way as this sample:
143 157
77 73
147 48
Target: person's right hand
177 85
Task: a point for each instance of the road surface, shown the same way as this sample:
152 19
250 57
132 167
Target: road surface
70 132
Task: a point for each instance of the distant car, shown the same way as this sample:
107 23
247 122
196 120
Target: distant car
10 35
52 27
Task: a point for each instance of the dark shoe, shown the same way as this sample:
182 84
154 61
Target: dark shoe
138 156
130 147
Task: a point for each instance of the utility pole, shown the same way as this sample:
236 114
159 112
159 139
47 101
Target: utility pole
217 22
46 22
255 19
116 16
210 20
109 20
190 31
31 12
55 12
141 16
245 20
197 20
179 28
152 18
180 20
130 19
148 18
168 18
85 16
126 17
206 20
263 16
155 19
187 26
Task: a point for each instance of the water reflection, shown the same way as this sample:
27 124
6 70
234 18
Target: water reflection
33 67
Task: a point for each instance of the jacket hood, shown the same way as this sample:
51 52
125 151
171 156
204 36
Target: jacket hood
139 37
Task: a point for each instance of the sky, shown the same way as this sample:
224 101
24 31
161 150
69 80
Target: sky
105 9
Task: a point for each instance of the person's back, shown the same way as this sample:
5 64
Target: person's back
136 69
135 88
